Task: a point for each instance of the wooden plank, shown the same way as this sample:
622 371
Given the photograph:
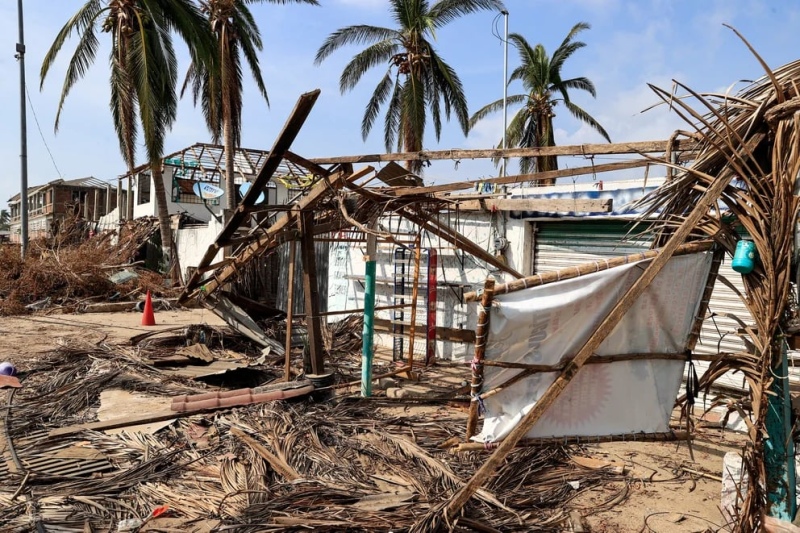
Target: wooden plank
455 238
600 334
309 258
442 333
538 204
126 421
641 147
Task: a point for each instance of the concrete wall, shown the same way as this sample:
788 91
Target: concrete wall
192 243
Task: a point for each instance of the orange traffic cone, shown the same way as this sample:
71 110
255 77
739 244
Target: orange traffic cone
148 318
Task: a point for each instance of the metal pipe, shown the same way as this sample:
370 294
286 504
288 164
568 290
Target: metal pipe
505 92
367 337
23 126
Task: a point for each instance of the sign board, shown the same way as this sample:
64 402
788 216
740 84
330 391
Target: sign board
206 191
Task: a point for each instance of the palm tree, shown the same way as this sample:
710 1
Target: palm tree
5 220
218 85
143 69
417 79
532 126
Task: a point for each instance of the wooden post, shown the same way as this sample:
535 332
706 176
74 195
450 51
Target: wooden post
481 332
287 372
308 255
412 328
431 303
600 334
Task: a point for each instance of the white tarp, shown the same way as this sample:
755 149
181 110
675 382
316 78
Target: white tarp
547 325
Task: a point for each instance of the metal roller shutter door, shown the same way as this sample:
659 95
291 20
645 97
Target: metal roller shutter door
561 244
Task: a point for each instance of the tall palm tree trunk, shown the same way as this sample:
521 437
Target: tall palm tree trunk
546 138
161 204
230 165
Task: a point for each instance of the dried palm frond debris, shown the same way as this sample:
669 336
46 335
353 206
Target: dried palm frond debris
75 272
340 466
753 138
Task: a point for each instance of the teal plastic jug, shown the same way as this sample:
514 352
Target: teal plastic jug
744 259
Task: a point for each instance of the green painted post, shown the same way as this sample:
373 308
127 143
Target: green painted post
369 317
779 447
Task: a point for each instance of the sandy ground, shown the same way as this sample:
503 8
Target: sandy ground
659 496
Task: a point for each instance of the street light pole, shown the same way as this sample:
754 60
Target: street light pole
505 91
23 126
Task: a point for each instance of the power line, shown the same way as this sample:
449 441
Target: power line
36 119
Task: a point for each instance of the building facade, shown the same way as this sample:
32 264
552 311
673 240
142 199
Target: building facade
50 204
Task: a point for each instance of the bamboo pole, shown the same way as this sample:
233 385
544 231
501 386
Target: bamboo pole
414 295
287 372
586 268
626 437
706 201
481 333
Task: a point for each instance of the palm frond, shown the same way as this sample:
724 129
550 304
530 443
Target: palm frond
372 56
451 89
585 117
80 22
583 84
379 96
393 117
361 34
494 107
445 11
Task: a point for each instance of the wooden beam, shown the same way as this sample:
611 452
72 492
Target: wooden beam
537 204
641 147
522 178
455 238
282 144
708 200
287 371
309 258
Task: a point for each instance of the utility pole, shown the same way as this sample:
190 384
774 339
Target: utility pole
505 89
23 126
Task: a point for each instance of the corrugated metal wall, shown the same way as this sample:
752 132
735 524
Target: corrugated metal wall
561 244
322 254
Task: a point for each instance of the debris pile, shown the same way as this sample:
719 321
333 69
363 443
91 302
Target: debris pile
72 273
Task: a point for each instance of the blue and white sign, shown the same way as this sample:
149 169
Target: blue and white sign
206 191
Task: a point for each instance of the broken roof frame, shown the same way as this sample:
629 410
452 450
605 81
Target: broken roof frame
724 146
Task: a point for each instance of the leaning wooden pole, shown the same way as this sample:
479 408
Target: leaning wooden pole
412 328
481 332
290 311
600 334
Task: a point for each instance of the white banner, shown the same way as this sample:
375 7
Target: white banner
547 325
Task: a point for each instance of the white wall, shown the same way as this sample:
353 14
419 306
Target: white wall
457 273
193 242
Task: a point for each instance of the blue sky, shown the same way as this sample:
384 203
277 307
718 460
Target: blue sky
631 43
